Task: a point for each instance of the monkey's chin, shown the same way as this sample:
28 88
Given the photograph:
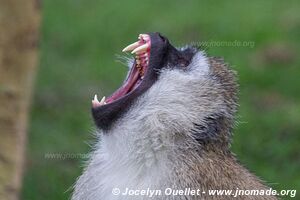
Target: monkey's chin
141 49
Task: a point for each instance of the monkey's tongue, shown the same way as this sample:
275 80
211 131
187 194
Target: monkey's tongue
129 84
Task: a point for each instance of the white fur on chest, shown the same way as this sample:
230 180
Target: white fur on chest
129 161
139 151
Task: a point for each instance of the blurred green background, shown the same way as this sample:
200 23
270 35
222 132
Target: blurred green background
79 43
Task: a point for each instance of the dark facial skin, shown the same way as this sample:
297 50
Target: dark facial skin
162 54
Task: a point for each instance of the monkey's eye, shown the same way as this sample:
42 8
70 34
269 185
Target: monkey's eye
182 65
186 57
183 62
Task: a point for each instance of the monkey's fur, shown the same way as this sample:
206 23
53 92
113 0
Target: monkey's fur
176 135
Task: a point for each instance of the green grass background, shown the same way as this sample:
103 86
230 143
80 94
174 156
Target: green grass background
79 43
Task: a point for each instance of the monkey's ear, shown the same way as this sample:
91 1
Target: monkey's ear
211 130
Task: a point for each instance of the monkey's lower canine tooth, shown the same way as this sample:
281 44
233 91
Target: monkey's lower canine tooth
139 49
131 46
102 100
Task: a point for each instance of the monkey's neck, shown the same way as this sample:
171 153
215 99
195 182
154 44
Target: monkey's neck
155 154
158 161
156 165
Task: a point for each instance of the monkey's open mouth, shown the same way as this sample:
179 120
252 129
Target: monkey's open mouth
141 49
153 53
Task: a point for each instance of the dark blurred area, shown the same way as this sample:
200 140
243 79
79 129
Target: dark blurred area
79 45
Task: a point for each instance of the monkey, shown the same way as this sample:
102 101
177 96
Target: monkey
168 127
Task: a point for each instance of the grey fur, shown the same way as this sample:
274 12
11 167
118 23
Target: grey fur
177 135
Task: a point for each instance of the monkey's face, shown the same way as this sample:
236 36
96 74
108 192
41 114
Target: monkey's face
179 87
153 53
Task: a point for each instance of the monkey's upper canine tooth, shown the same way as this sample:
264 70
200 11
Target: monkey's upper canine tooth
141 36
131 46
140 48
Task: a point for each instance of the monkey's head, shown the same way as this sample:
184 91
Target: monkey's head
175 91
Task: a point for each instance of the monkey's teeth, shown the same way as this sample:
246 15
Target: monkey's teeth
141 36
142 48
96 98
96 102
102 102
131 46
